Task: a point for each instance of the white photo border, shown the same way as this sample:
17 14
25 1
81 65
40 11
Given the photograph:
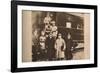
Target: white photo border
58 63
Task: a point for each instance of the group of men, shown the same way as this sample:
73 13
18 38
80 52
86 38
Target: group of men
51 44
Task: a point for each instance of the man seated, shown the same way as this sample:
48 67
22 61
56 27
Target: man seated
54 29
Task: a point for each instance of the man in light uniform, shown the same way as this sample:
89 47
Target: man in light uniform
54 29
47 19
60 47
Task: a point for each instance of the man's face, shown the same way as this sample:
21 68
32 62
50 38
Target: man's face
50 35
59 36
48 15
42 33
53 24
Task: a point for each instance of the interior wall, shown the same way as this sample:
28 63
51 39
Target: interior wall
26 36
29 25
86 36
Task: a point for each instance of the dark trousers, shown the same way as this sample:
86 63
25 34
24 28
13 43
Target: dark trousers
68 54
50 54
42 55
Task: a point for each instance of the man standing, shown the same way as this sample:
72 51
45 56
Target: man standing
68 52
42 47
60 47
50 47
47 19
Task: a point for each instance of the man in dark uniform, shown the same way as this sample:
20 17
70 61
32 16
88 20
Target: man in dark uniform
42 47
50 47
69 44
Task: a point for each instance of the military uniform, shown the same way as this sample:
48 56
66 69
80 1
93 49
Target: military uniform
60 48
42 48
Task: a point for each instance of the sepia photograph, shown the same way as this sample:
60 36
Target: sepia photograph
56 35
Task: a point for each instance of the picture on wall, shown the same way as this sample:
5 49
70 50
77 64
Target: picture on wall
50 36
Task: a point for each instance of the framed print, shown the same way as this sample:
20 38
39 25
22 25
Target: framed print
51 36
